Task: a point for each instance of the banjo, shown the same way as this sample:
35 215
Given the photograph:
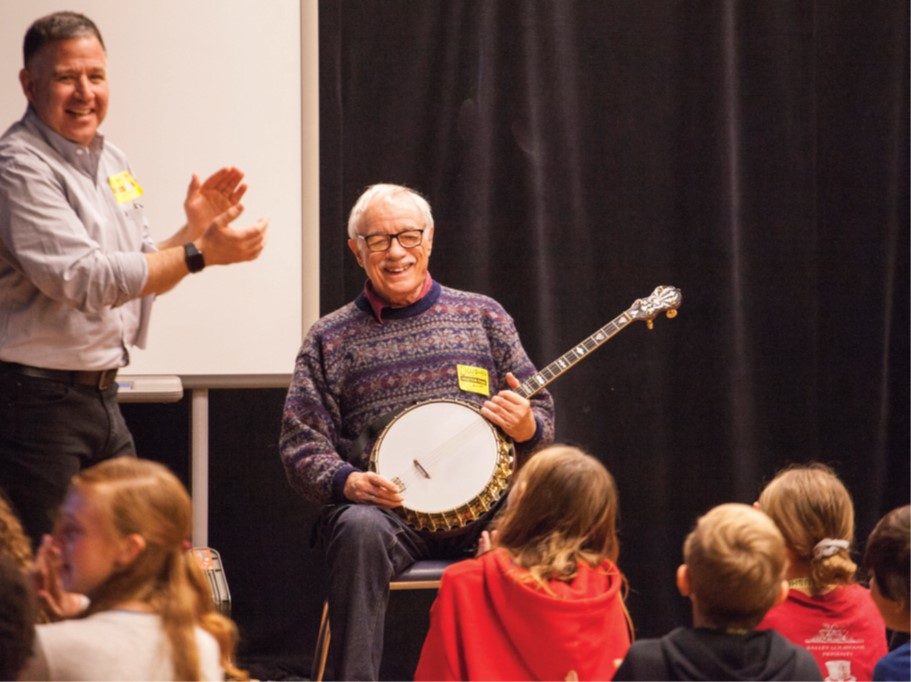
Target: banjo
450 464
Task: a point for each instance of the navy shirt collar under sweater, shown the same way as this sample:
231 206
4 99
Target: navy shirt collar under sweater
370 302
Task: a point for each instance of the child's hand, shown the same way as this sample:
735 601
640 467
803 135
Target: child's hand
55 603
486 541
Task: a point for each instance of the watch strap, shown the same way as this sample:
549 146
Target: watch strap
194 258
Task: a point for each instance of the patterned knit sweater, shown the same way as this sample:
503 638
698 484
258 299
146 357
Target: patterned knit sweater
352 369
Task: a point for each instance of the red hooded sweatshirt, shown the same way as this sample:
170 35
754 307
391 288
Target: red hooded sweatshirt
486 625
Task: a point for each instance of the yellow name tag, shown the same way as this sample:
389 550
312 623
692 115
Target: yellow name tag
125 187
473 379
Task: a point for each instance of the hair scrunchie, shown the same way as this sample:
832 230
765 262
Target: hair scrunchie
829 546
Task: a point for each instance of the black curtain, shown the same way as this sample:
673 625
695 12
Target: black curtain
579 153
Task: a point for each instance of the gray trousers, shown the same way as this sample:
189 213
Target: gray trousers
365 547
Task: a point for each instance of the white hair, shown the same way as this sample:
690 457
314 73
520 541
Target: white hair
381 192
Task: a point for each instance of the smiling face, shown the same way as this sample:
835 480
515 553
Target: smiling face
397 274
66 84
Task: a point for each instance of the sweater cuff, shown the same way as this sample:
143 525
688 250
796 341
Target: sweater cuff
539 431
339 478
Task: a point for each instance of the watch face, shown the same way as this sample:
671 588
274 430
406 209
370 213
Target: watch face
194 258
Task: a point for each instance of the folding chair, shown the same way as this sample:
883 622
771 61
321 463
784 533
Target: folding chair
421 575
209 561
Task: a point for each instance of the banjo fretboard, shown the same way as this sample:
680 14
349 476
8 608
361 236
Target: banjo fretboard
663 299
571 357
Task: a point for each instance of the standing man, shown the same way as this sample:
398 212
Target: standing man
404 339
78 270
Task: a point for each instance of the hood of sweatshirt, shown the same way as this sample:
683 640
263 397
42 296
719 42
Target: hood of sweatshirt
578 626
702 654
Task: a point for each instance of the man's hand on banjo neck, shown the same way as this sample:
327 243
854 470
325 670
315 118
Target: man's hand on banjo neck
511 412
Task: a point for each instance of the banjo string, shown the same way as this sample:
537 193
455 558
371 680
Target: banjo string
442 451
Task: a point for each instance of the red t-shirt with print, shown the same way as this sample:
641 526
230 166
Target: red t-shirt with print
841 628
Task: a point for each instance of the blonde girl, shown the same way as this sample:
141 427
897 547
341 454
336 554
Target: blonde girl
568 518
546 602
122 542
826 611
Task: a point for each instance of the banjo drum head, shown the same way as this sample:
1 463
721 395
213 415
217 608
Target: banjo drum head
442 454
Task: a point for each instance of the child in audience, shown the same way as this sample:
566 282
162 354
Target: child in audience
17 619
826 612
546 601
17 548
121 541
887 563
733 572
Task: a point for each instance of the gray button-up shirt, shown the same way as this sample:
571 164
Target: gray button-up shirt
71 252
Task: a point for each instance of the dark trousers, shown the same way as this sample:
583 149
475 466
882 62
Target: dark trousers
48 431
365 547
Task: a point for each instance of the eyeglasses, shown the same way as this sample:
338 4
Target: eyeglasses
379 241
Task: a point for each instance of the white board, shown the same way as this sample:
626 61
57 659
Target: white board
196 86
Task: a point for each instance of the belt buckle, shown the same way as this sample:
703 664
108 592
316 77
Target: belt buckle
106 379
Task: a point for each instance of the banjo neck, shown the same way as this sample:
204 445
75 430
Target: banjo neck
663 299
452 465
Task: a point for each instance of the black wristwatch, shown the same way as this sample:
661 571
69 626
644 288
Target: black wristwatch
194 257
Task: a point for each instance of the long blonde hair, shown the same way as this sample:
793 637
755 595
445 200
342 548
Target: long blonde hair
810 505
144 497
14 543
562 511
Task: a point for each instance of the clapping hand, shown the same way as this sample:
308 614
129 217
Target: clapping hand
205 201
223 244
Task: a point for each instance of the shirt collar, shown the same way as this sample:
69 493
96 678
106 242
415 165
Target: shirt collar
80 156
379 305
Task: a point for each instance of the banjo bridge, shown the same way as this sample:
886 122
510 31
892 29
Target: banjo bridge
421 470
399 483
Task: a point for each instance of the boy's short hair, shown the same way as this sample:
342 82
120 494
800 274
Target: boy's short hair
735 559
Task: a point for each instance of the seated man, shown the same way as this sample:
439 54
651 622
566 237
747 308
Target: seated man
404 339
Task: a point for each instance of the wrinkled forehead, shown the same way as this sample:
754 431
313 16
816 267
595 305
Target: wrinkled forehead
397 209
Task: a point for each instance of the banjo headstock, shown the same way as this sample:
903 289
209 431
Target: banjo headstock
664 299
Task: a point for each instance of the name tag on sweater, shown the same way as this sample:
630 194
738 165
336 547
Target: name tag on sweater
473 379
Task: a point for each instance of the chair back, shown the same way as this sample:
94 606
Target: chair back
209 560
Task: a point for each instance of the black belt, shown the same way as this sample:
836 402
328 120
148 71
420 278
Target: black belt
102 379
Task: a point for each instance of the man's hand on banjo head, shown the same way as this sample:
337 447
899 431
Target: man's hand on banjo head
511 412
367 487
